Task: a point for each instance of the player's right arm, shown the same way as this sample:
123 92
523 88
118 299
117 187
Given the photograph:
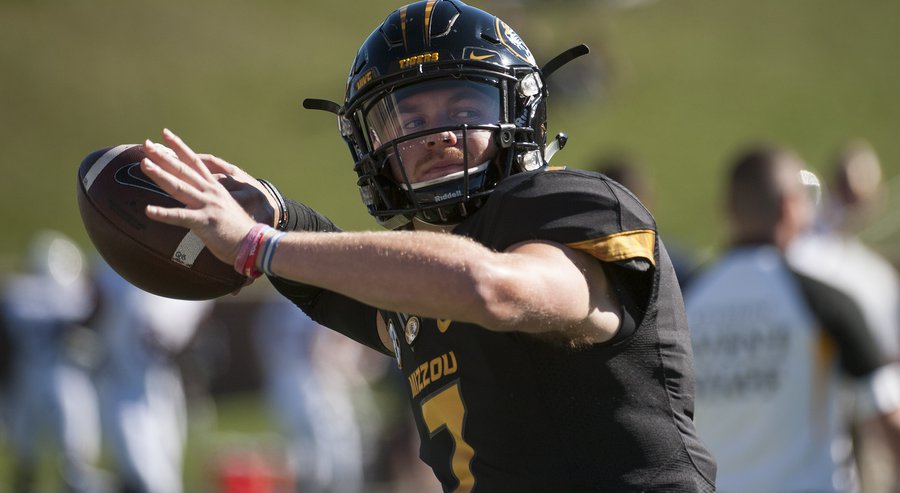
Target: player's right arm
435 275
223 202
447 276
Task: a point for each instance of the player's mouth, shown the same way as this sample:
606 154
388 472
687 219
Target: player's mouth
439 168
448 173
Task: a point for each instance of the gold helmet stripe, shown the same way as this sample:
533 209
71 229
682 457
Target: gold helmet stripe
403 25
429 11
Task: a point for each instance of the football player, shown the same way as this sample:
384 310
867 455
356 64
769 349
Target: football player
534 311
782 354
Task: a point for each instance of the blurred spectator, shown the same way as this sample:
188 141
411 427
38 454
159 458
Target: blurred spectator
771 346
397 467
51 401
857 189
310 382
834 253
627 170
833 250
141 392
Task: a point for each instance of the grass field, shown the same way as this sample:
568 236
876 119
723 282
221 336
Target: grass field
686 83
681 83
239 424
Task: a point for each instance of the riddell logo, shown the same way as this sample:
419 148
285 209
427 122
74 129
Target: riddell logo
449 195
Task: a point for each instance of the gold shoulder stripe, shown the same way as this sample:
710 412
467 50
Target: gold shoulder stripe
620 246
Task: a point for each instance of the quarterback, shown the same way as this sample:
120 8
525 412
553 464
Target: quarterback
533 310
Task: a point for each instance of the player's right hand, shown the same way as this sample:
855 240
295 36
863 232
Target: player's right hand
210 211
244 188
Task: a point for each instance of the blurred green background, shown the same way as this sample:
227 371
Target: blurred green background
683 84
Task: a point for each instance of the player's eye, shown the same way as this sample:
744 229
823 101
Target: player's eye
467 115
413 124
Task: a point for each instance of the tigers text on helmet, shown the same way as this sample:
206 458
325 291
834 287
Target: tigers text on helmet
443 101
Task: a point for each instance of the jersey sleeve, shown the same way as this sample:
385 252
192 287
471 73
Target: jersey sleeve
583 210
877 383
842 319
339 313
301 217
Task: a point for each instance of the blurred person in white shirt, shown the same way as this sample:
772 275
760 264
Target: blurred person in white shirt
51 402
834 252
141 389
774 347
309 386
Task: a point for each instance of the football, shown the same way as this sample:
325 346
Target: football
163 259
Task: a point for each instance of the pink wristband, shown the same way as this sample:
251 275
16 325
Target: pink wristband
245 263
250 268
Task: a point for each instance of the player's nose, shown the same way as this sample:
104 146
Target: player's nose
447 139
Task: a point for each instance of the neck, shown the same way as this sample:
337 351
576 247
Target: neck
420 225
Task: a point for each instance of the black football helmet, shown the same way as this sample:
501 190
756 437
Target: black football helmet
449 47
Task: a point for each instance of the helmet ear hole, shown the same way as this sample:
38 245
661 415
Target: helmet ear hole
506 136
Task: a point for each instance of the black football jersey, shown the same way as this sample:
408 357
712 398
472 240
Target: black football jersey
510 411
518 412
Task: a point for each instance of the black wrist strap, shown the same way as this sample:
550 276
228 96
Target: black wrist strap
279 199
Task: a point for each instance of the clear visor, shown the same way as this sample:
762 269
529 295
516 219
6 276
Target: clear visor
432 105
434 131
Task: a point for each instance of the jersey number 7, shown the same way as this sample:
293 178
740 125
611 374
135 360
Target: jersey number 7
445 410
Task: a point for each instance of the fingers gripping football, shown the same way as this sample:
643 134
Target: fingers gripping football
210 211
247 190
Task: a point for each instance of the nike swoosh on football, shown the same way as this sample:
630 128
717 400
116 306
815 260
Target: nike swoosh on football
130 175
